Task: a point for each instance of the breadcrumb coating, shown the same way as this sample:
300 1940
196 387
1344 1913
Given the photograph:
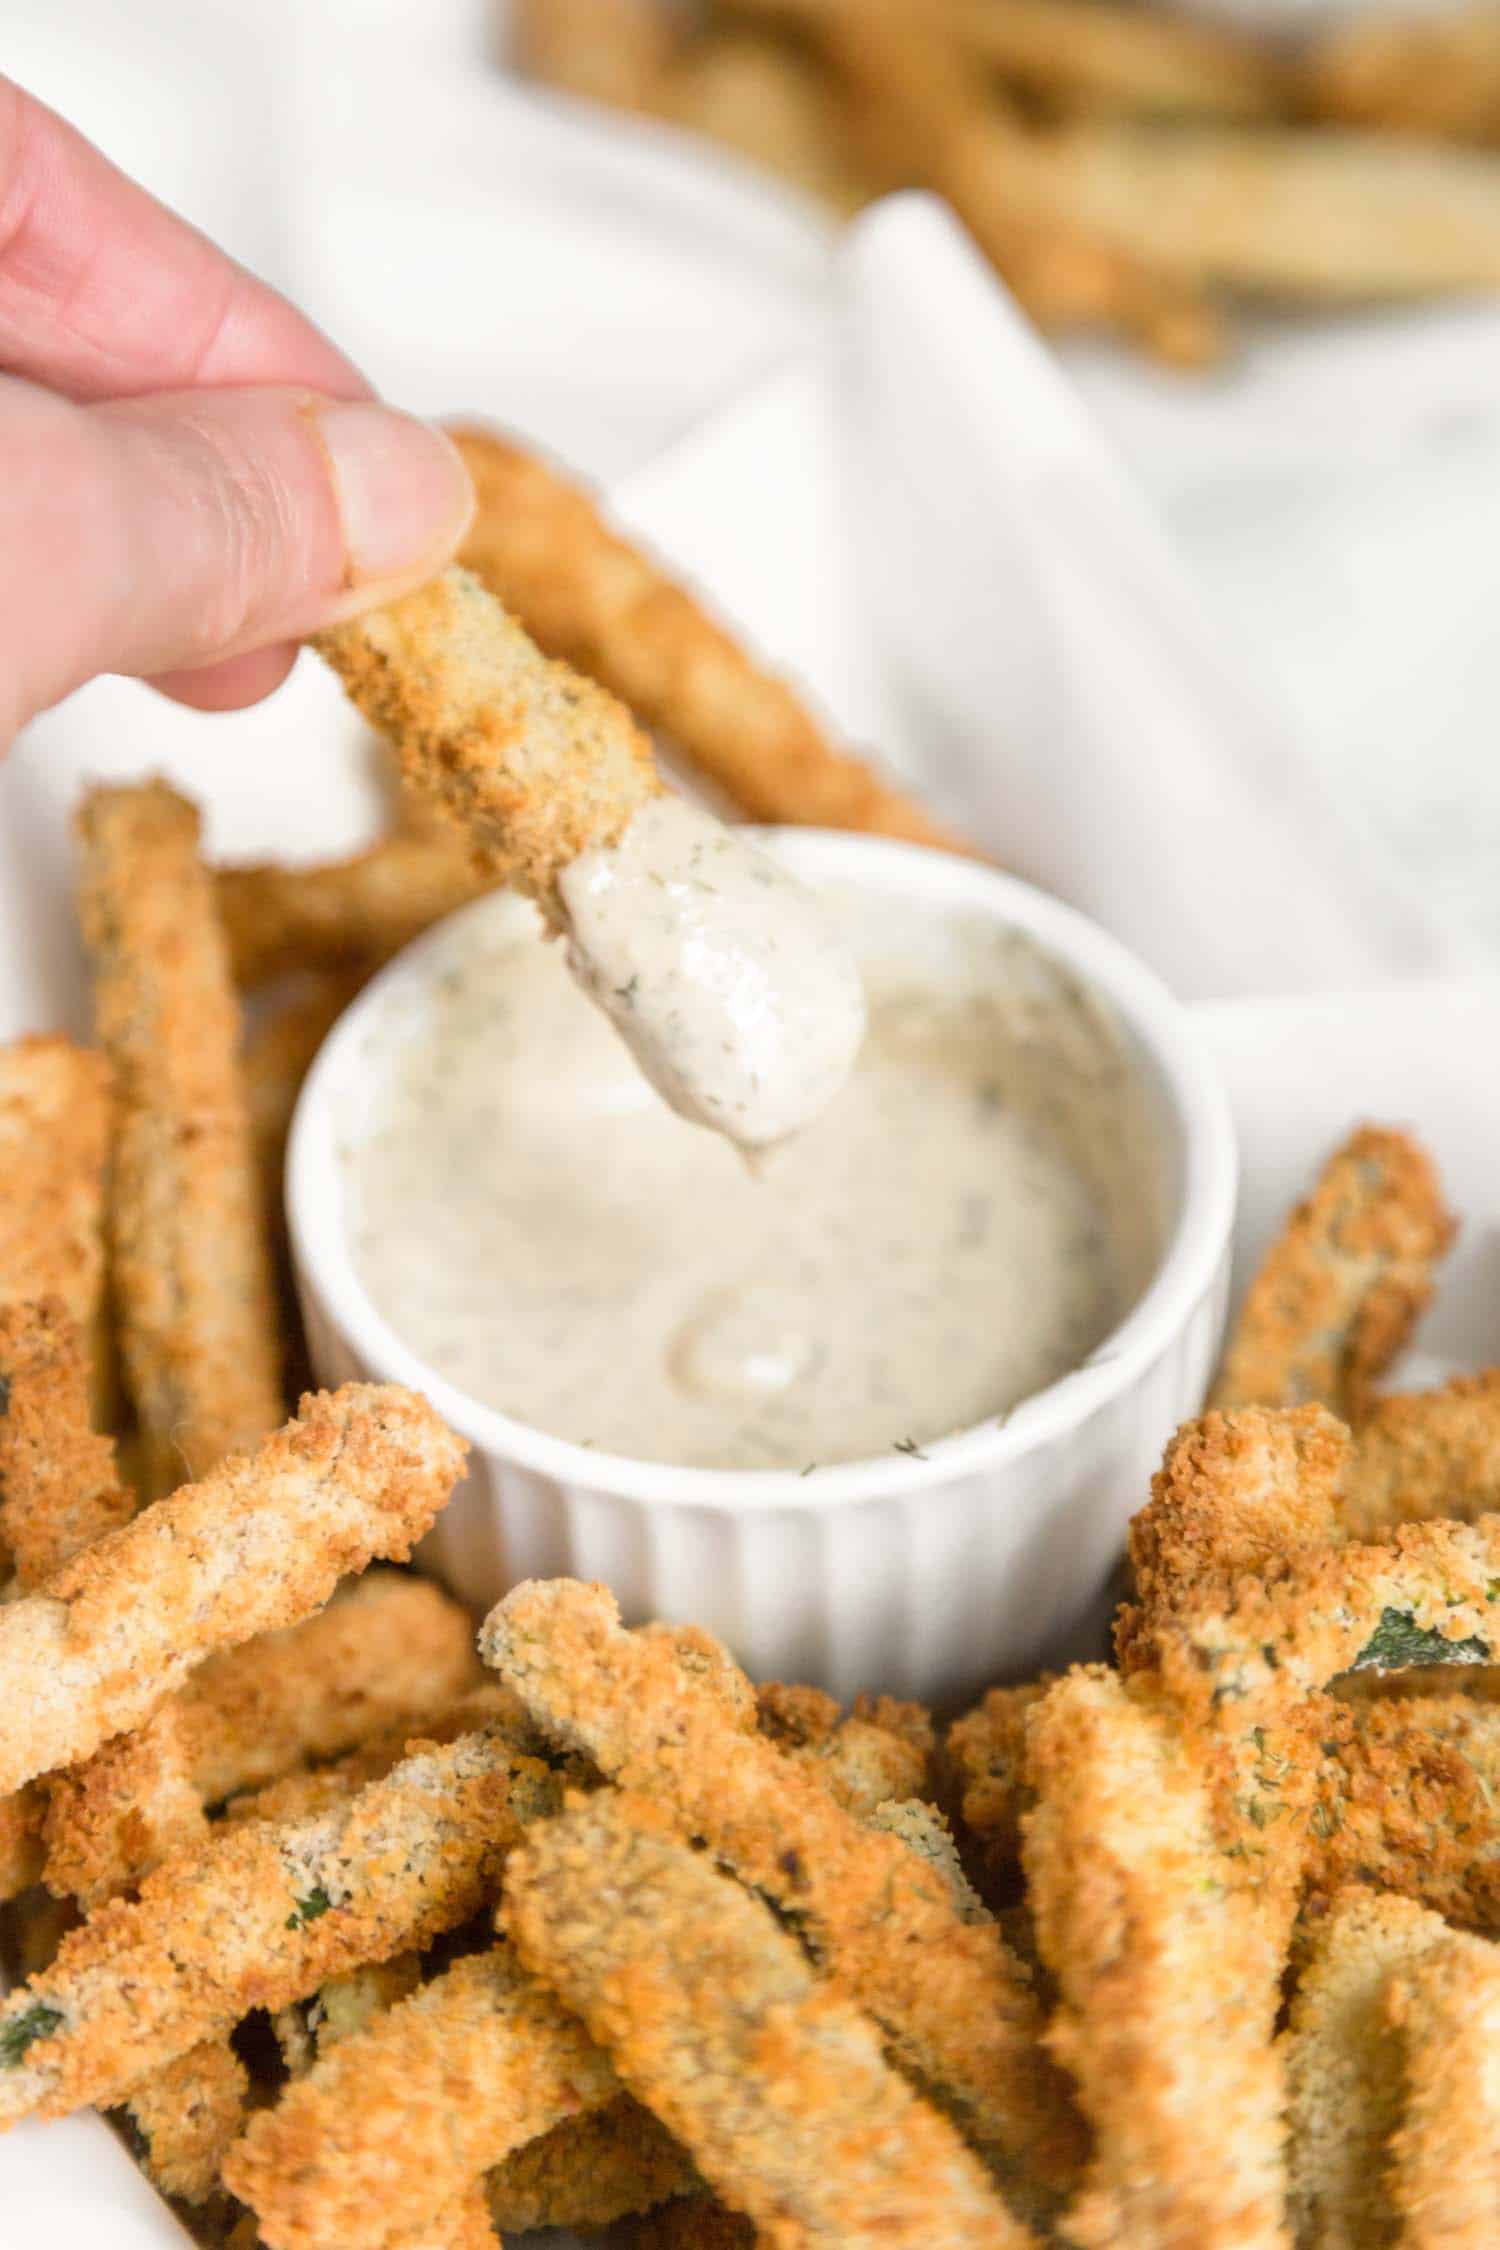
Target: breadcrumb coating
189 2115
59 1486
1408 1796
589 2172
1426 1454
771 2080
191 1263
1340 1290
862 1763
1343 2074
341 2008
535 763
465 2225
1168 1976
344 915
1445 2153
259 1544
389 1652
958 2006
264 1913
404 2117
1235 1496
984 1775
54 1141
21 1854
588 596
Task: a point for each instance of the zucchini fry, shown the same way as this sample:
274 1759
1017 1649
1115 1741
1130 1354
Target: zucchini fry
344 915
266 1912
537 764
189 2116
984 1756
692 1985
1343 2074
1426 1454
404 2117
1434 73
191 1263
257 1545
54 1144
1340 1290
1105 59
463 2226
862 1763
1169 1974
589 596
610 51
590 2172
59 1486
1445 2154
388 1653
309 2029
1408 1797
958 2006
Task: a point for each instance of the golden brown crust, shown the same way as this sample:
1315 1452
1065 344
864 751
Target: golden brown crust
192 1267
1445 2155
1168 1975
1426 1454
385 1655
188 2117
589 596
984 1760
21 1855
54 1137
344 916
590 2172
257 1545
535 763
610 51
949 1993
1343 2074
1235 1496
1341 1288
775 2085
405 2115
863 1763
264 1913
58 1483
1123 59
1431 72
1408 1797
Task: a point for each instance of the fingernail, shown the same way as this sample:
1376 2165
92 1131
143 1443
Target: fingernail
404 495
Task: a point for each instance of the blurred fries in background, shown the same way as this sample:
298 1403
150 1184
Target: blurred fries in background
1127 169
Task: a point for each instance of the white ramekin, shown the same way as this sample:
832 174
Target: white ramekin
927 1577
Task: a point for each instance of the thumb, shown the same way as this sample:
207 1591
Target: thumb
158 535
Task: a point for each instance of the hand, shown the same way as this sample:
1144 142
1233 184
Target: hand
191 477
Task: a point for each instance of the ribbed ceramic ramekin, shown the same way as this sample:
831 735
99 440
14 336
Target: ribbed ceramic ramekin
924 1577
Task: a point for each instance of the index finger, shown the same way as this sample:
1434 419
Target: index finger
104 293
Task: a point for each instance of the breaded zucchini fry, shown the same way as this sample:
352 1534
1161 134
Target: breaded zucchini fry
389 1652
192 1266
956 2003
264 1913
59 1487
589 2172
189 2116
1340 1290
465 2225
1343 2074
1445 2154
1433 72
861 1762
405 2116
1408 1796
257 1545
343 2006
774 2084
349 914
984 1759
1168 1973
589 596
1236 1495
1426 1454
537 764
767 100
54 1139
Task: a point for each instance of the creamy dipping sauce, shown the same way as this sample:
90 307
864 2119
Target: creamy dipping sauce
968 1218
723 975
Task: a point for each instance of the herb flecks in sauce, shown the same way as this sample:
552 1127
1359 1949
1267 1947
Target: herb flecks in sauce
548 1236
